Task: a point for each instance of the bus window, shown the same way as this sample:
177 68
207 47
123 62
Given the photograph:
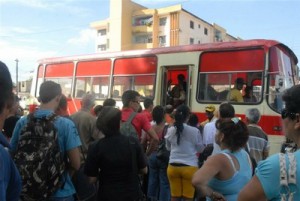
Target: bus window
217 87
136 73
95 85
61 73
280 77
144 84
121 84
210 89
65 84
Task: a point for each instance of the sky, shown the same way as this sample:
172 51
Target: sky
34 29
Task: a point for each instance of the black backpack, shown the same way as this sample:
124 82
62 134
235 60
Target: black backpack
162 153
38 158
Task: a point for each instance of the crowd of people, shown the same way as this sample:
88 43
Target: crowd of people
101 161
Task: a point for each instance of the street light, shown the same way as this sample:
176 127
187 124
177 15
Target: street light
17 83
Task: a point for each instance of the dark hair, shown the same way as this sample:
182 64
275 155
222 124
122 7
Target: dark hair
248 89
158 114
108 121
181 115
193 120
63 103
226 110
109 102
5 86
129 95
48 91
239 80
180 77
235 132
291 98
97 109
148 102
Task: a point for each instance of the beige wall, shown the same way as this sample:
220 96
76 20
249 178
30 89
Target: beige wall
120 23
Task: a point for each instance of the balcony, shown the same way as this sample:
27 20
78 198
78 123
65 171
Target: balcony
142 29
139 46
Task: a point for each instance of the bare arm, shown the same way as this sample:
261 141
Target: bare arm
74 160
210 169
152 134
252 191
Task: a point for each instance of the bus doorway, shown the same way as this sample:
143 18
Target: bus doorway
175 88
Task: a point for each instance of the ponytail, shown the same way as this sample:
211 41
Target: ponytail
181 114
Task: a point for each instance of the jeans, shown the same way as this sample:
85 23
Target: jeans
158 184
69 198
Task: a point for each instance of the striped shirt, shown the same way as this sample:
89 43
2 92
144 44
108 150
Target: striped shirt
258 142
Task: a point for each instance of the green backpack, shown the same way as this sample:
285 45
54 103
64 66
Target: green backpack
127 128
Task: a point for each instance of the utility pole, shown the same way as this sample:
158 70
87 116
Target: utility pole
17 83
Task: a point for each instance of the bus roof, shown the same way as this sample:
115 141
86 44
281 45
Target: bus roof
165 50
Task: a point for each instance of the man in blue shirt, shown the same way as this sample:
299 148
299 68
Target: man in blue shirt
10 180
68 138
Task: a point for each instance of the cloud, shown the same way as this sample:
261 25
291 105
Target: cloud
27 56
85 36
9 31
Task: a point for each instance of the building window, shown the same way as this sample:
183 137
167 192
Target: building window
191 24
205 31
199 42
162 41
102 32
147 38
162 21
142 21
191 41
218 36
101 48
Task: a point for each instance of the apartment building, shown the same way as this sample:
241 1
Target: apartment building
132 26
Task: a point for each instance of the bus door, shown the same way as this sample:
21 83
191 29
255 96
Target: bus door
176 85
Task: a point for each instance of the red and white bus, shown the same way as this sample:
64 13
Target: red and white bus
266 65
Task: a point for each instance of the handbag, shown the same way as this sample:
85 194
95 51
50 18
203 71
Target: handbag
162 153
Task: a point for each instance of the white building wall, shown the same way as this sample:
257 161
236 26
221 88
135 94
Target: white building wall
165 30
101 39
197 33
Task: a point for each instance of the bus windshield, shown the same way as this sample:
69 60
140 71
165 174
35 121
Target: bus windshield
280 77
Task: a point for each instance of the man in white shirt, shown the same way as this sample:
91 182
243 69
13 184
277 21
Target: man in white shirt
210 130
226 110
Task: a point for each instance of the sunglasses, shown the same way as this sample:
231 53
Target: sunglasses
285 114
